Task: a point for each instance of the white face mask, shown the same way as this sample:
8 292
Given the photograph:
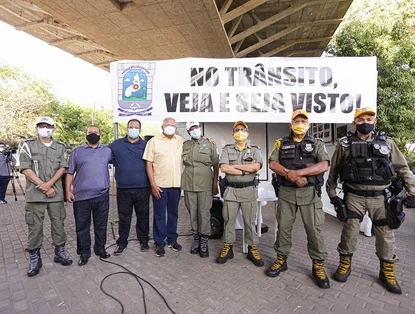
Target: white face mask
195 133
169 130
44 132
133 133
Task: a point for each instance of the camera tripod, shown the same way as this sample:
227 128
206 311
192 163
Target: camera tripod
14 175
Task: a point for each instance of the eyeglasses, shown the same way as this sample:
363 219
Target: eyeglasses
242 130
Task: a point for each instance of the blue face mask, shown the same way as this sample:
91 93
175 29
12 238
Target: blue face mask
134 133
195 133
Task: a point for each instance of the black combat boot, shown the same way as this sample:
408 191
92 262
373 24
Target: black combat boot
279 265
254 256
387 277
204 248
344 269
35 262
61 257
226 254
196 244
319 274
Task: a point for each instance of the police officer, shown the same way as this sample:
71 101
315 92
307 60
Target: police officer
240 162
43 161
199 184
299 161
7 162
366 161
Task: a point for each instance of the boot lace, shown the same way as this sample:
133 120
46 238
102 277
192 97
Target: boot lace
254 252
388 270
319 269
62 253
34 260
226 248
278 263
344 264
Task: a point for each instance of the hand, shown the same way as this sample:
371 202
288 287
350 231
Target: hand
156 191
70 197
410 200
292 175
44 186
51 192
301 181
215 190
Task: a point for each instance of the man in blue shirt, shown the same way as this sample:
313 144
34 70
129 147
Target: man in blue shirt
88 169
133 188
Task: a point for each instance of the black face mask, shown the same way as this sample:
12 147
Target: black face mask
92 138
365 128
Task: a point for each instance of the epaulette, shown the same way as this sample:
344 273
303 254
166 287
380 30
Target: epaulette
60 142
29 139
228 145
255 146
319 139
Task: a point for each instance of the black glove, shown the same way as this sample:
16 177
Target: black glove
340 207
410 200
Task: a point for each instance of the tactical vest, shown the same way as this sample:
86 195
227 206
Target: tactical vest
368 162
298 155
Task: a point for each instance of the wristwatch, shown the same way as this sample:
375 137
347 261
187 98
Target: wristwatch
243 172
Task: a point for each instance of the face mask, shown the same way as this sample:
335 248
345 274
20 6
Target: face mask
365 128
93 138
169 130
195 133
240 136
300 128
44 132
133 133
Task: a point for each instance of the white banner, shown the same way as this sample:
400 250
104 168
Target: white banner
251 89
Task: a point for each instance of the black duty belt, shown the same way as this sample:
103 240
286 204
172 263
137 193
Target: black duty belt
363 193
240 185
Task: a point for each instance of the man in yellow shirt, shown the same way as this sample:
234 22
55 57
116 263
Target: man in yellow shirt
163 155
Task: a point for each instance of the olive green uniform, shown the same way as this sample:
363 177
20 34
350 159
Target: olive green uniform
306 200
45 162
197 181
244 198
385 239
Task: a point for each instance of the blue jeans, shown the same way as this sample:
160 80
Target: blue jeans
170 198
4 182
99 206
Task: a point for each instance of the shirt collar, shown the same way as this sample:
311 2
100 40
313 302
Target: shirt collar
126 139
164 136
86 145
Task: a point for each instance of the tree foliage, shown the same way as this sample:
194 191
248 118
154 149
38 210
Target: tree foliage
385 29
23 98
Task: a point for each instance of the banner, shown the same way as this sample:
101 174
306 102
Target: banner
251 89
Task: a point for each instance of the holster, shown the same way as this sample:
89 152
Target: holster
275 183
394 213
223 184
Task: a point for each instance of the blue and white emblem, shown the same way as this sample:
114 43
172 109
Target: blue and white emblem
135 88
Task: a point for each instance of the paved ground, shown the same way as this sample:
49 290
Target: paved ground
194 285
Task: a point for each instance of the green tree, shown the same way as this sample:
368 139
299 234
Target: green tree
23 98
385 29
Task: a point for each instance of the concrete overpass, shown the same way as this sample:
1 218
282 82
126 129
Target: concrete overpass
102 31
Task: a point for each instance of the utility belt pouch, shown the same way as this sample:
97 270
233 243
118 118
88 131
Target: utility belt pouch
394 213
275 183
